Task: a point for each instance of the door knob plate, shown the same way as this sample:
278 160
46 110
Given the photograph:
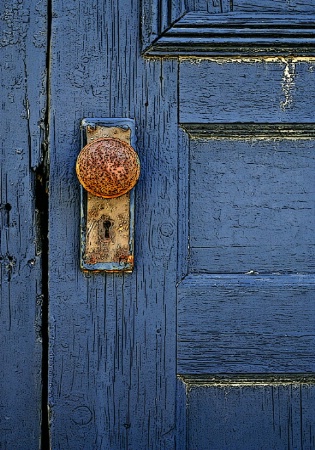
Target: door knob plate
107 224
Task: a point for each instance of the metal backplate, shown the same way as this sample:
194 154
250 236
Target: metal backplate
107 225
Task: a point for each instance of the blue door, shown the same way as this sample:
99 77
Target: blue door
209 343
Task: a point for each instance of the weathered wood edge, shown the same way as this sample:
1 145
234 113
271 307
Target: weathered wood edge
247 379
203 34
248 130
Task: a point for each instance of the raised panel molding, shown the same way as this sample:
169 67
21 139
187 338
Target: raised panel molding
157 17
231 34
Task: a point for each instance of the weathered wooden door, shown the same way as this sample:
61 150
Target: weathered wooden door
209 343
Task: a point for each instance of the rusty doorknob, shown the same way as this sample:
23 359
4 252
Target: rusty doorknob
108 167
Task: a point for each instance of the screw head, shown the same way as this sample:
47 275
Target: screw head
108 167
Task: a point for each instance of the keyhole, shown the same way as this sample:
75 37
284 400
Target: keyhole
107 226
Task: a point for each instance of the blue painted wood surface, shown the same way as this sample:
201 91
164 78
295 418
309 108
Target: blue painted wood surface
278 416
114 355
113 337
252 205
246 324
228 28
256 92
242 344
242 115
23 36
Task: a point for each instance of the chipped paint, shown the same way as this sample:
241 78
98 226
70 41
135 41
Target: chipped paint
238 380
288 85
246 59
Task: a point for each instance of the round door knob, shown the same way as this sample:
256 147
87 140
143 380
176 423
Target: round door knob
108 167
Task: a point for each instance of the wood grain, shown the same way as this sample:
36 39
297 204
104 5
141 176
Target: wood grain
246 324
252 206
258 92
157 16
277 6
261 34
114 356
23 44
276 417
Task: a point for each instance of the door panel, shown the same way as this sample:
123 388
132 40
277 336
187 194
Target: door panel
256 92
246 324
245 309
23 34
276 417
252 206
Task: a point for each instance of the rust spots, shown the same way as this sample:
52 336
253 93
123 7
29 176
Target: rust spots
123 223
108 167
122 255
107 229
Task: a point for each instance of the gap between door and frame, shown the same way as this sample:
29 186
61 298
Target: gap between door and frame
42 208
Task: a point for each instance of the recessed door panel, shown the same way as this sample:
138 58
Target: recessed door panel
252 206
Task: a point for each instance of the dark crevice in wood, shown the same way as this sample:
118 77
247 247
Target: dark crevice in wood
42 207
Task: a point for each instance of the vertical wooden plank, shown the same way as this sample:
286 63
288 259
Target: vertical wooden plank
23 42
113 337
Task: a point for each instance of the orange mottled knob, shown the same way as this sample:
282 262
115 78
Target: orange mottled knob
108 167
